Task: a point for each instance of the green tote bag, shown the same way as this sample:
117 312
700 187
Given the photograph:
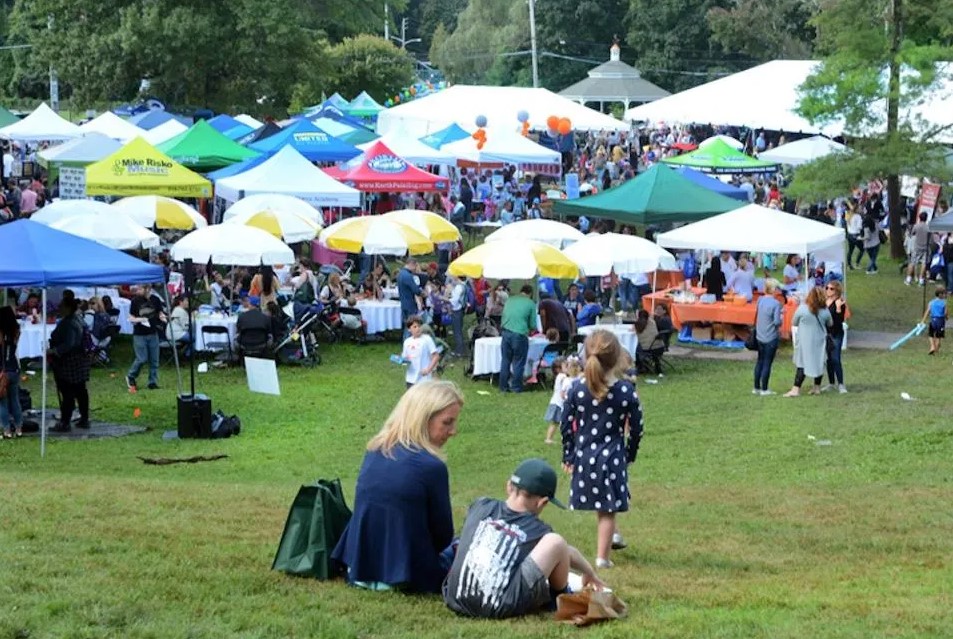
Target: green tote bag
315 523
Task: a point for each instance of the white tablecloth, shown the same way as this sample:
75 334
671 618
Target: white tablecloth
125 326
86 292
31 339
625 333
230 322
487 354
380 316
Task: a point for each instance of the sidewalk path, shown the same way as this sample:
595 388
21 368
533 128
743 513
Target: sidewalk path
868 340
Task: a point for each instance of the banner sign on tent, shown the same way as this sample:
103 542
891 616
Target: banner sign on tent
572 186
929 196
72 183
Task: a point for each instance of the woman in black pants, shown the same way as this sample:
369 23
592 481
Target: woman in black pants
70 366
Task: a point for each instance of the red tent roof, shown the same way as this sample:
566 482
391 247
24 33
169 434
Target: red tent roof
381 170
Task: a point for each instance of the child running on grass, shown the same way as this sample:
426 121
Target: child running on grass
937 314
555 409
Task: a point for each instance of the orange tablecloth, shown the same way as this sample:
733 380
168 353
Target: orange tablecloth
719 312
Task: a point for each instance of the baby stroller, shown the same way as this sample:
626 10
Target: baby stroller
300 344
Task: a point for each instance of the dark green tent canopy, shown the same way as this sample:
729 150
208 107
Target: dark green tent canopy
6 117
657 196
204 149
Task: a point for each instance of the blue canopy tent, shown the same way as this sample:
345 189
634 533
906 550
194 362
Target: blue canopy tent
237 168
35 255
151 119
238 132
223 122
713 184
333 113
452 133
309 141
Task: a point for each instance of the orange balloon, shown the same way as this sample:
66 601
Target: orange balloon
552 121
564 126
525 128
480 145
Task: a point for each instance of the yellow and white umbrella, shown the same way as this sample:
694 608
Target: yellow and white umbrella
274 202
284 225
160 212
432 226
514 259
375 236
549 232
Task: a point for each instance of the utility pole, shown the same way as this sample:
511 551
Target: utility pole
403 35
386 22
532 41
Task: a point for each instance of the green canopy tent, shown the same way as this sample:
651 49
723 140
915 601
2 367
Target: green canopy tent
363 106
718 157
657 196
7 117
358 136
204 149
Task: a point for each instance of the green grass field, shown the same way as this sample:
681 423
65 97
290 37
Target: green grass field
742 525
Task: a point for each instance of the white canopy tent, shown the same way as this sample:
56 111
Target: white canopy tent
90 148
502 146
766 96
759 229
411 149
43 124
461 104
802 151
289 173
113 126
165 131
600 254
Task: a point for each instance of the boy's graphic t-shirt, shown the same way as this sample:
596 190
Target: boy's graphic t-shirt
485 578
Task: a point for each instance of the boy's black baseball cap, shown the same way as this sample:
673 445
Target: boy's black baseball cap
537 477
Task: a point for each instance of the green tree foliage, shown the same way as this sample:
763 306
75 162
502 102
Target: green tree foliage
369 63
673 41
339 19
880 60
575 28
433 14
765 30
481 49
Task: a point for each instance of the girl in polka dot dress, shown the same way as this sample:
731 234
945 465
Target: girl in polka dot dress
597 453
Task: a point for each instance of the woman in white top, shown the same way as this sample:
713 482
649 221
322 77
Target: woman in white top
855 228
741 282
178 329
458 307
793 276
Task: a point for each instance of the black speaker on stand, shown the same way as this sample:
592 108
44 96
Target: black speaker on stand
195 411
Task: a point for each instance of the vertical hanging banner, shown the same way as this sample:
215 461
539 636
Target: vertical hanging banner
929 196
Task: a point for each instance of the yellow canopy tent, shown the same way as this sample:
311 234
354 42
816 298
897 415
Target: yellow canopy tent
139 168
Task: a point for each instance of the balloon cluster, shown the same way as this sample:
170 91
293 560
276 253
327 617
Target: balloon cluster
523 117
414 91
480 134
558 125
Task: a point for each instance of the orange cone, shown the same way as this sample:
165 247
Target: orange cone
136 412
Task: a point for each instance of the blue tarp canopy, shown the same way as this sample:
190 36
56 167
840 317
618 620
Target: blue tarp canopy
238 132
308 140
452 133
713 184
333 113
152 119
223 122
32 254
240 167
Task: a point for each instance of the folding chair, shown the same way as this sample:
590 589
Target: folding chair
663 338
216 338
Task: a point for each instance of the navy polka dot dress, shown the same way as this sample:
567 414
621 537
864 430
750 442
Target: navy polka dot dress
594 444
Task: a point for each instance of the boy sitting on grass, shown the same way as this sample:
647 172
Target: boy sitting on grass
509 563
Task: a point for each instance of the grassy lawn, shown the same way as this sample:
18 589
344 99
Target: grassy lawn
742 525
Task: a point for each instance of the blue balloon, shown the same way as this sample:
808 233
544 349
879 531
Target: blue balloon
522 116
481 121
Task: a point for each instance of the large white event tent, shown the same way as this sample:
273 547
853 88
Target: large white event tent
802 151
411 149
165 131
43 124
113 126
759 229
502 146
289 173
461 104
90 148
766 96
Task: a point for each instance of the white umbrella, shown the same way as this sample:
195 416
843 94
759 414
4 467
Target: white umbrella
282 224
232 244
65 209
273 202
600 254
109 229
547 231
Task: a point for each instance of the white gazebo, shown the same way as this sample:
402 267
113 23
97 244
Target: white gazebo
614 81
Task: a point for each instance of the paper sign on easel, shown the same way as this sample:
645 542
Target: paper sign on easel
262 376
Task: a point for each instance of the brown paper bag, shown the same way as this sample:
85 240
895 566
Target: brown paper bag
589 606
